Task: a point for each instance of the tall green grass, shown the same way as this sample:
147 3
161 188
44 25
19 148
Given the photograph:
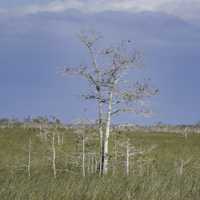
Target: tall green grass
153 176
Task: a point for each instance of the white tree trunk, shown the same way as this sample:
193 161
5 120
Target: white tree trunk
101 157
107 134
101 140
54 155
41 136
100 110
29 157
83 157
58 137
181 167
127 158
186 133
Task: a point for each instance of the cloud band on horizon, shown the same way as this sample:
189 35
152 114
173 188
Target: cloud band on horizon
181 8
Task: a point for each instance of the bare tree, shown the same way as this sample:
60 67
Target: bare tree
54 155
127 157
29 157
81 133
185 131
57 123
181 164
108 86
83 155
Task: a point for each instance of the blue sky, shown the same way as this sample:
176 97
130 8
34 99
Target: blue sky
37 37
18 3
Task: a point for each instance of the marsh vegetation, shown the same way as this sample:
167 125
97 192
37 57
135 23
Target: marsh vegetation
164 165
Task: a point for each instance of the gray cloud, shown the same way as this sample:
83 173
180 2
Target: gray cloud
186 9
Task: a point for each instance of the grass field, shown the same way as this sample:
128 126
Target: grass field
170 171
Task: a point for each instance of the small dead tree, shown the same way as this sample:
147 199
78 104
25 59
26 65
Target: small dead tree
41 123
109 88
132 151
181 165
83 155
186 133
29 157
127 157
57 124
54 155
81 133
55 132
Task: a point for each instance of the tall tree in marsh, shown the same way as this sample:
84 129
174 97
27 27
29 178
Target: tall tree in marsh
111 90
